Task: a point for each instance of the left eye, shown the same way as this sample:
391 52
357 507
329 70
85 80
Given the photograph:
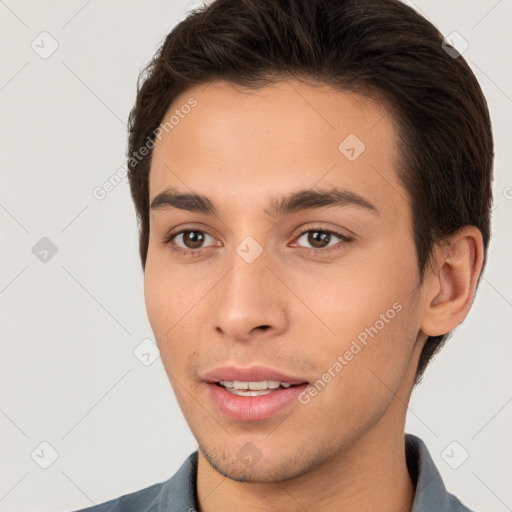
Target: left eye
318 239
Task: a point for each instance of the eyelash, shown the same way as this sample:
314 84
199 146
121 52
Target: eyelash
168 240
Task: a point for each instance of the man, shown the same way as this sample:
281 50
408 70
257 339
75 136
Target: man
313 184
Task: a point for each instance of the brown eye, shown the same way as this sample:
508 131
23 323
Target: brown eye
190 241
193 239
319 239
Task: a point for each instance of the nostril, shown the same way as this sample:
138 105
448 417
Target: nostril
264 327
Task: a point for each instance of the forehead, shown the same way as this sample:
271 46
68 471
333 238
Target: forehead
275 139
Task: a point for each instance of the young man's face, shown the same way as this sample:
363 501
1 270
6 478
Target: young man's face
323 295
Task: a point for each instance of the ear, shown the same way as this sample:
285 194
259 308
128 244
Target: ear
450 288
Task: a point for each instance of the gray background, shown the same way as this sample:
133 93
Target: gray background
71 323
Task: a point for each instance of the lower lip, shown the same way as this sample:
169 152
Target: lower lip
253 408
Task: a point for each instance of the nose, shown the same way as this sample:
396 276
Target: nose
250 301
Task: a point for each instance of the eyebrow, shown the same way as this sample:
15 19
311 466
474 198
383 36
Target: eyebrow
278 206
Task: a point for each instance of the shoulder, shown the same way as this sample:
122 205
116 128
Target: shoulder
142 500
176 493
431 493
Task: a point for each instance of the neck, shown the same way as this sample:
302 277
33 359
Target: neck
370 475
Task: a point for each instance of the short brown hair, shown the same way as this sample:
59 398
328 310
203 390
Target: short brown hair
379 48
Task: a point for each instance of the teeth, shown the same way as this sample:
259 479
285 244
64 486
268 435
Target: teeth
257 386
253 386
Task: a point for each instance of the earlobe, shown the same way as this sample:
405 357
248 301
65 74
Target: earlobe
450 290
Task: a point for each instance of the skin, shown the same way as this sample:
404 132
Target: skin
239 147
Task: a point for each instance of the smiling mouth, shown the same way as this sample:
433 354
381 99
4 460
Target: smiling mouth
258 388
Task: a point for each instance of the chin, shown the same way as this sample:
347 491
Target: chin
250 466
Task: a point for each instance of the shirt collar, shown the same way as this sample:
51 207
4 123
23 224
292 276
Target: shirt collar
431 493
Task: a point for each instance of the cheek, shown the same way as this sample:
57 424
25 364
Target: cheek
165 301
371 310
173 301
158 301
345 299
168 292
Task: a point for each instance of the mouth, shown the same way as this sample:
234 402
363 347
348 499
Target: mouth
252 394
254 388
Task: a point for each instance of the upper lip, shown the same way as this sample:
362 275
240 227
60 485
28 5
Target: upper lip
249 374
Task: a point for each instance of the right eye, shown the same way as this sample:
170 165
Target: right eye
189 241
